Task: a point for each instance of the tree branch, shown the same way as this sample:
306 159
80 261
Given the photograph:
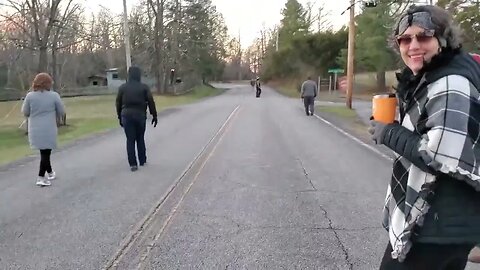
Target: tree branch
10 19
33 9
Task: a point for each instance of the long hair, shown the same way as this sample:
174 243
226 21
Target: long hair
42 82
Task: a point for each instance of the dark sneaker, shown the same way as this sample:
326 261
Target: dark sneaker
133 168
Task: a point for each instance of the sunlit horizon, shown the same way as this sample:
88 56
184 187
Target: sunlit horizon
245 19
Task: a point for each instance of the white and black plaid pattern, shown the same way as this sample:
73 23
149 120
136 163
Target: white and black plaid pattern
448 118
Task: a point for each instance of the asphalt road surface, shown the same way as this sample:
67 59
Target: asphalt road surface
232 182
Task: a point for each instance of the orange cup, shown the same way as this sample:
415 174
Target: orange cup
384 108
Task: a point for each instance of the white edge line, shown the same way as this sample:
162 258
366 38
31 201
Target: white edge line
354 138
137 229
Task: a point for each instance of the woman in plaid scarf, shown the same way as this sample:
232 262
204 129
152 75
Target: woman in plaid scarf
432 207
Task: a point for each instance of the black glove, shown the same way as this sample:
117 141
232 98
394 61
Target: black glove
377 130
120 122
154 121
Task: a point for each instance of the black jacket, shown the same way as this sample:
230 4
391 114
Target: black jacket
454 216
134 96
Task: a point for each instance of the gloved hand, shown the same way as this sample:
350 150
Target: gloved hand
120 122
377 130
154 121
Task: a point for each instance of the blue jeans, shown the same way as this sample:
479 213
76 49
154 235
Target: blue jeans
134 127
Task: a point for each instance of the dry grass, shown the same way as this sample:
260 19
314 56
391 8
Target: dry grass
85 116
364 87
346 119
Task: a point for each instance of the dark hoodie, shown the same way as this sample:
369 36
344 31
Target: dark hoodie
134 96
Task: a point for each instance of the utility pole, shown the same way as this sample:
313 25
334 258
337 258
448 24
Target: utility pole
126 37
319 19
262 46
259 55
255 65
175 46
239 55
277 36
351 54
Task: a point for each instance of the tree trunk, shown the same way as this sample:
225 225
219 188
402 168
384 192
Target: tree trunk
54 64
43 60
161 31
110 60
156 62
381 81
159 42
9 75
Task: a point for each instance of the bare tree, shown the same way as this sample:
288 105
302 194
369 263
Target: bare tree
158 8
57 36
40 23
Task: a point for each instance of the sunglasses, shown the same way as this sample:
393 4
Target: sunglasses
422 37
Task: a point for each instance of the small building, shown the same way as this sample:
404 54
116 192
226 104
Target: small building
113 80
97 80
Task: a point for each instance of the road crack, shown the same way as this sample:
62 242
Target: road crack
335 232
305 173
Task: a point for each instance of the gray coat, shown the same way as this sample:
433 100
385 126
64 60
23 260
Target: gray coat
309 89
42 109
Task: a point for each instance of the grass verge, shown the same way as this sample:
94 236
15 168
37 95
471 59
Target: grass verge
85 116
345 119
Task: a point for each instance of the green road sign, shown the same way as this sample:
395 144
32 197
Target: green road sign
336 70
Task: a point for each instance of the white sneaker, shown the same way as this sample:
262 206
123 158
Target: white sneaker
52 175
42 182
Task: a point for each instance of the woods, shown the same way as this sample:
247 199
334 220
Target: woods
169 38
189 40
305 47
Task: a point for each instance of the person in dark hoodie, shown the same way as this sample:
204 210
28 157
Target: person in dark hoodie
258 88
132 100
432 207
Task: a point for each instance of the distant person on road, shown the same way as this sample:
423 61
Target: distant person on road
132 100
308 93
432 207
43 107
258 87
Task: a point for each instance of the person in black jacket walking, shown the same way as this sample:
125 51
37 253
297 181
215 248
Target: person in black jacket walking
432 207
131 103
258 88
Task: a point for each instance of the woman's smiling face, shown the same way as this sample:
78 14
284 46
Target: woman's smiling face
417 46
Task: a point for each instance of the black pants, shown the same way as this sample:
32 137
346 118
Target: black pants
45 165
134 127
429 257
309 103
258 92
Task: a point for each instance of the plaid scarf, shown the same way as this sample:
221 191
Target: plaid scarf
442 105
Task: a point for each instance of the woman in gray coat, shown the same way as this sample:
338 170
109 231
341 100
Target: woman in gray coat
42 107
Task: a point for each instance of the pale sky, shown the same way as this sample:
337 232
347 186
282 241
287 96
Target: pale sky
246 17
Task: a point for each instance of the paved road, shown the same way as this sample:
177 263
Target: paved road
232 182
